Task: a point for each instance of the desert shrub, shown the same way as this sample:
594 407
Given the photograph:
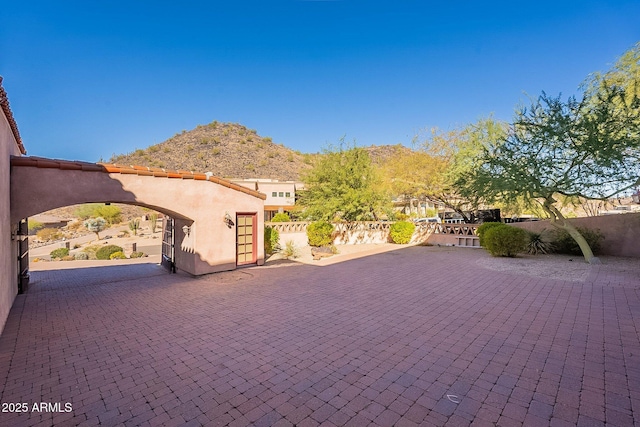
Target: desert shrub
81 256
539 243
34 226
106 251
47 234
68 258
565 244
86 211
484 227
271 238
59 253
290 250
112 214
281 217
91 250
431 212
320 233
505 240
401 216
401 232
118 255
137 255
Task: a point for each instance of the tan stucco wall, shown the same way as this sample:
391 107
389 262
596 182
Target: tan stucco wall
210 246
8 248
621 232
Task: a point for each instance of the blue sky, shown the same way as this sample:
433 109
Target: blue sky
90 79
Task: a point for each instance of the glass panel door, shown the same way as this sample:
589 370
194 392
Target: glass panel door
246 238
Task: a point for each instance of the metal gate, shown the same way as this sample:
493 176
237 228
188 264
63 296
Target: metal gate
22 237
168 244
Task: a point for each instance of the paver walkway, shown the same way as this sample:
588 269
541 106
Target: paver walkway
418 336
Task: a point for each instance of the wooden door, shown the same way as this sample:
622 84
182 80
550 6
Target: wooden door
246 239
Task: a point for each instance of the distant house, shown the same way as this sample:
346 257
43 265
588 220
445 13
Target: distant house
49 221
281 195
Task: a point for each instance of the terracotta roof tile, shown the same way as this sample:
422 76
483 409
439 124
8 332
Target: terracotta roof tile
4 104
42 162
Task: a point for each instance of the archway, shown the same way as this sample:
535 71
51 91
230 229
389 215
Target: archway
198 203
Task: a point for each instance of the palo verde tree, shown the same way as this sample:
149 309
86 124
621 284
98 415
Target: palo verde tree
588 149
433 169
343 184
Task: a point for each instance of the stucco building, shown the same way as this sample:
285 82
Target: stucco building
10 145
215 225
281 195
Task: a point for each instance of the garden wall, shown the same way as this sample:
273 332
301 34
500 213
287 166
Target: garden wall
362 232
621 232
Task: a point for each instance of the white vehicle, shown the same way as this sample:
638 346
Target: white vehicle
434 219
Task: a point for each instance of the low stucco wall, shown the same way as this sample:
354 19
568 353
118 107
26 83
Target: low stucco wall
373 232
621 232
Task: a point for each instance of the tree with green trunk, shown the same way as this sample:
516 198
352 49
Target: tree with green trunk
432 170
343 184
588 149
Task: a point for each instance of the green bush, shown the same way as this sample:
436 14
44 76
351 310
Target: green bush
59 253
401 232
505 240
34 226
281 217
484 227
81 256
565 244
401 216
320 233
118 255
138 255
106 251
112 214
271 238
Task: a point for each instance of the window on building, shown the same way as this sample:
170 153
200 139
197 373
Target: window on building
281 194
287 194
274 194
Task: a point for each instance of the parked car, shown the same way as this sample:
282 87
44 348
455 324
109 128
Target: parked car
435 219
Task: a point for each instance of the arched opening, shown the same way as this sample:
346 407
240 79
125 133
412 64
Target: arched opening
134 235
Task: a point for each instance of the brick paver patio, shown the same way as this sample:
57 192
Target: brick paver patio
418 336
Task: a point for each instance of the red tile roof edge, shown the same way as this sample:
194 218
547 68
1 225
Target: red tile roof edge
43 162
4 104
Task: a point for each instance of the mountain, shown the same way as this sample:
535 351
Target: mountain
228 150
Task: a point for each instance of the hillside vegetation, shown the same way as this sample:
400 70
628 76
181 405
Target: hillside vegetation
228 150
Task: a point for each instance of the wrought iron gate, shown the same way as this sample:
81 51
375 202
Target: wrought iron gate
22 237
168 244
